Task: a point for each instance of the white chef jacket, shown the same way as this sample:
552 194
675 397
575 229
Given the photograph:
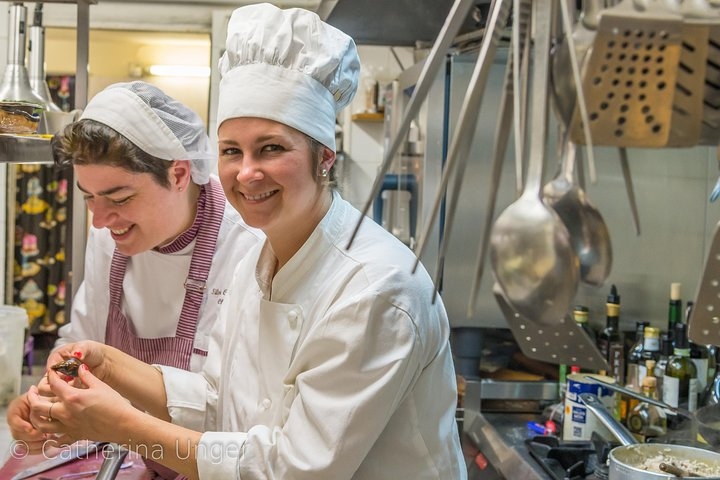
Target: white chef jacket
338 368
153 289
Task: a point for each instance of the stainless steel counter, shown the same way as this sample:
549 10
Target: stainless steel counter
500 437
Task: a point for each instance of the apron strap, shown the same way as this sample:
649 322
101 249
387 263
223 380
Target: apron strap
117 273
205 242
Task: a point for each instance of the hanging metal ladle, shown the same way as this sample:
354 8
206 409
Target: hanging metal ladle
532 258
589 234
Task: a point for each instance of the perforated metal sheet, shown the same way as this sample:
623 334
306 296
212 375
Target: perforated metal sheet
564 343
630 80
704 321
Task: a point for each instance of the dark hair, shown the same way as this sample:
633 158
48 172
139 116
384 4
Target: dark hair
88 142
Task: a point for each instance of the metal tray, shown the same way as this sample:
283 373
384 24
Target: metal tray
704 321
563 343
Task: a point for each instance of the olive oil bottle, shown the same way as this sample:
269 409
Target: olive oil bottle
680 385
610 341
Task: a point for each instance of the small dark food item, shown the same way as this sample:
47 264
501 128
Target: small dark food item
68 367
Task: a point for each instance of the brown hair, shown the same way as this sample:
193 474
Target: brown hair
87 142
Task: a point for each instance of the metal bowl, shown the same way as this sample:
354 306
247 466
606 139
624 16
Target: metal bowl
20 117
625 462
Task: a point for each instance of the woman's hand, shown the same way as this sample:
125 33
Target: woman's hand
92 354
94 412
21 428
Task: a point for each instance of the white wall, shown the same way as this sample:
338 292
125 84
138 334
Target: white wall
364 140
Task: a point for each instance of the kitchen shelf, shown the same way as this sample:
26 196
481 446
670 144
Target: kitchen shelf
25 149
368 117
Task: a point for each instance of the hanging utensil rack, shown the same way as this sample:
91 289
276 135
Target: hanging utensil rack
18 149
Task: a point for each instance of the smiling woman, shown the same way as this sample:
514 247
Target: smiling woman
323 356
163 245
264 169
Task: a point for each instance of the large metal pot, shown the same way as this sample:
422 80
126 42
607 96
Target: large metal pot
626 461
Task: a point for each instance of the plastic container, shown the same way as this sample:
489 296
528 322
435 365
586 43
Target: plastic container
13 322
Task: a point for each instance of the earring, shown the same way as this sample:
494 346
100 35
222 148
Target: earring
180 189
324 172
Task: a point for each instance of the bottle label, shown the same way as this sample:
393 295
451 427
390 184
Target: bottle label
671 391
641 374
693 386
701 365
652 344
616 359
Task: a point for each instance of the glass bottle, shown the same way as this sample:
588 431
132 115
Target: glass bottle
646 421
634 359
680 386
651 352
581 314
666 351
610 341
674 307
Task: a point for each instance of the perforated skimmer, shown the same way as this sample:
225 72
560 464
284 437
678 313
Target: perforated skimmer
644 79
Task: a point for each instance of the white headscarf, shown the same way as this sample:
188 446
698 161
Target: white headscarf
288 66
155 123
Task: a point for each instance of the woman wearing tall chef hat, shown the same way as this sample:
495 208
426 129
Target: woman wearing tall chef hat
326 363
163 243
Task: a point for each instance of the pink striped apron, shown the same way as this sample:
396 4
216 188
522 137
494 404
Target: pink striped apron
172 351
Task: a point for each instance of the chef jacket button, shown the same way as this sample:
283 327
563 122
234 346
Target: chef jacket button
266 403
292 317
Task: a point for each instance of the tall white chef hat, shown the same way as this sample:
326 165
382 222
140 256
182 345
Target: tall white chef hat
288 66
156 123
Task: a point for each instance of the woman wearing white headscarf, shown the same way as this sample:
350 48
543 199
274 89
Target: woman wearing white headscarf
327 362
163 242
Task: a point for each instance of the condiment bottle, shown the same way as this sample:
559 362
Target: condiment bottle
645 420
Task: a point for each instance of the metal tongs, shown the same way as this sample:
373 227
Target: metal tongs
462 139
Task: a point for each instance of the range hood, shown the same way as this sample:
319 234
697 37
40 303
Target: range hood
398 22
